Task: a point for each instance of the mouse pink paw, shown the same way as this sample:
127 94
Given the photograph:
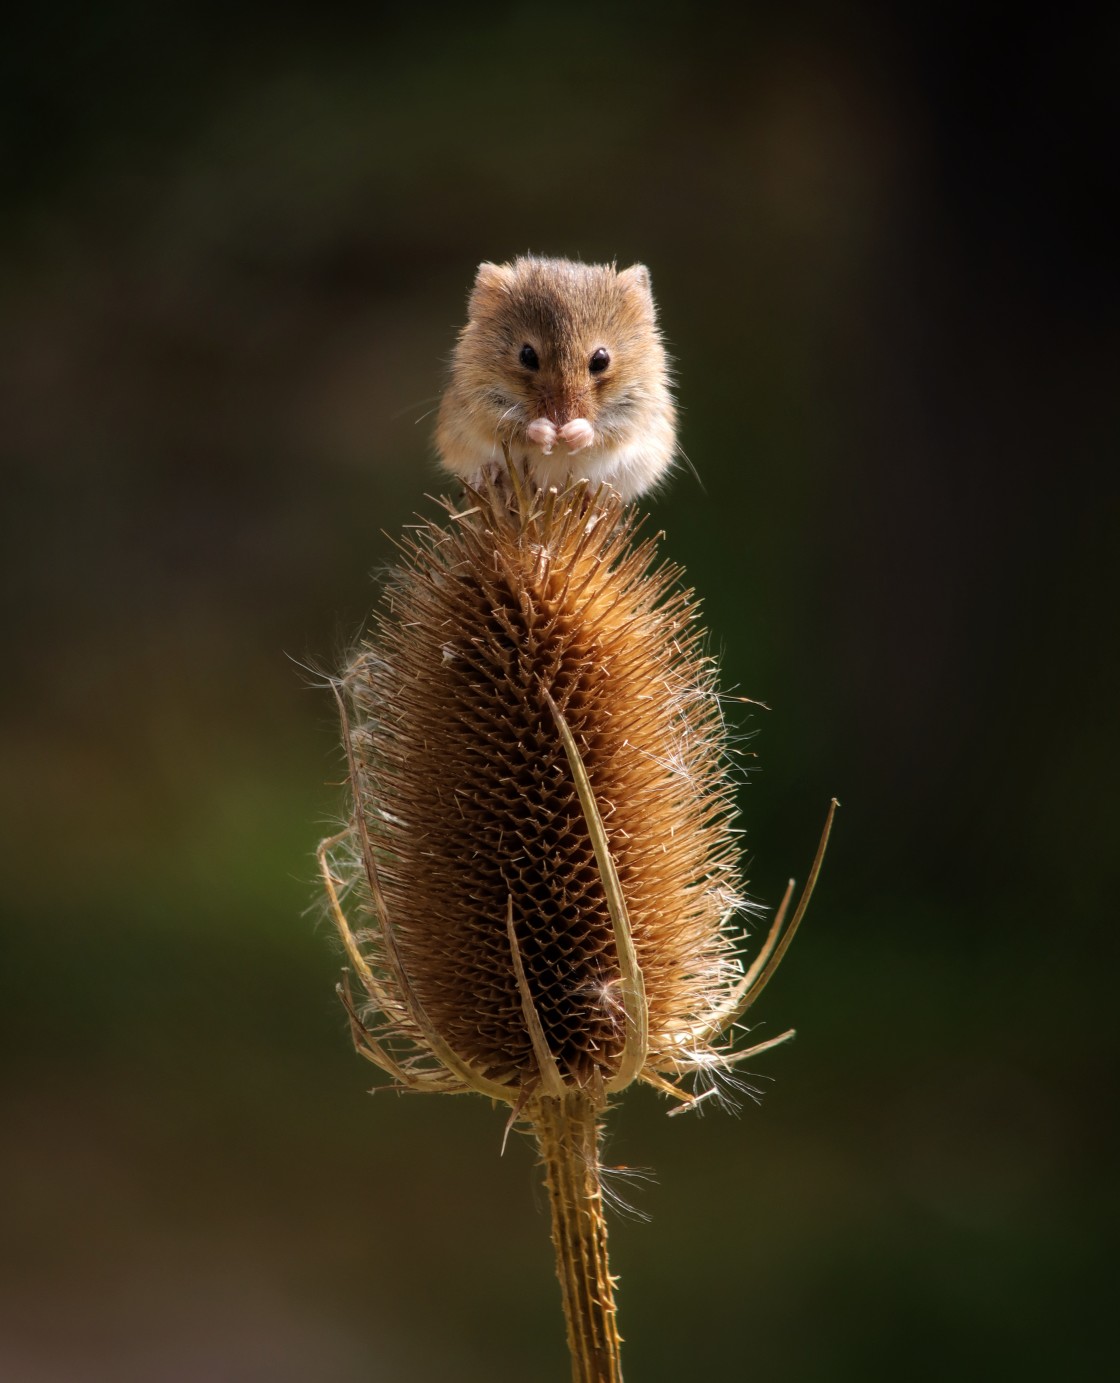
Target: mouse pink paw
542 433
577 434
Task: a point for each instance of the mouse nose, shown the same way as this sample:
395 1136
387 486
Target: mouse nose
562 406
561 396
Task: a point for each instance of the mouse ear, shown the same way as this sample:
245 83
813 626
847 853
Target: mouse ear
636 278
488 285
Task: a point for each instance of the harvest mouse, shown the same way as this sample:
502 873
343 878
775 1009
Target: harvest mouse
563 363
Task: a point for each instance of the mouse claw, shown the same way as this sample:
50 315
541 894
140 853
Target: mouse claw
577 434
542 433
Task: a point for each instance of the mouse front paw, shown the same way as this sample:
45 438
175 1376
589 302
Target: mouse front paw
542 434
577 434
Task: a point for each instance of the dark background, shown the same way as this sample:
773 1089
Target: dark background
237 242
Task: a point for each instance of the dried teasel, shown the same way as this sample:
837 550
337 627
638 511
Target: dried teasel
541 861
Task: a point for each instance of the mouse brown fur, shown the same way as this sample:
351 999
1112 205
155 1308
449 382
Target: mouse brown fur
563 363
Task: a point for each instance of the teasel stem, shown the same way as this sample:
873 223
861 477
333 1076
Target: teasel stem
567 1132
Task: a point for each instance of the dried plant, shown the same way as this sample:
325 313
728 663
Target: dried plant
541 857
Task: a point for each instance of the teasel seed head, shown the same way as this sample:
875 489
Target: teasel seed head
542 849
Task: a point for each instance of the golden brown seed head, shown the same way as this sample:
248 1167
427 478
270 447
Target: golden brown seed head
468 806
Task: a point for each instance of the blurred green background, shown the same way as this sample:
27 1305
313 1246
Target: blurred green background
237 242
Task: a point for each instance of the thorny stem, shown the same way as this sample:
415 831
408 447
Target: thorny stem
567 1131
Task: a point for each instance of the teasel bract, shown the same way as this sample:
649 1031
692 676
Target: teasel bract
539 889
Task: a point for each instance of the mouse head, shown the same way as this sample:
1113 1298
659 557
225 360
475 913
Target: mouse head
561 341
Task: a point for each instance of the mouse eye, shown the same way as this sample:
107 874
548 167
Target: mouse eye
599 361
528 357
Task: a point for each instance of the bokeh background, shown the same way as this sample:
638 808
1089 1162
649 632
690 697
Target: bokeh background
236 244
